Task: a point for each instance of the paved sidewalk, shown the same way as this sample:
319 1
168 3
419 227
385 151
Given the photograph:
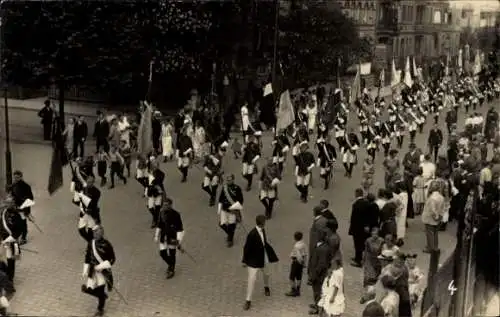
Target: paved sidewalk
87 109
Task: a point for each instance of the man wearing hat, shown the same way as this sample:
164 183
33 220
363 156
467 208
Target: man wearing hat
229 208
350 145
99 259
213 170
251 155
269 181
169 232
326 157
305 164
280 149
245 122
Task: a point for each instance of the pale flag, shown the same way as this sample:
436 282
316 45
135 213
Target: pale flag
268 89
407 80
415 70
286 114
447 67
150 71
382 78
477 63
460 59
145 131
355 88
395 76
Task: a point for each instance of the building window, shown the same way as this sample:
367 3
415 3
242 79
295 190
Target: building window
437 17
464 14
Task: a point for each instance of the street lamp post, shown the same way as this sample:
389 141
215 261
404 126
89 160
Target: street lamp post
8 156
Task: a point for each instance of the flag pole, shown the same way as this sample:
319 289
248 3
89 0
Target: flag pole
150 82
276 96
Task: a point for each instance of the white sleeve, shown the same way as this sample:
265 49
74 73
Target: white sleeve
180 236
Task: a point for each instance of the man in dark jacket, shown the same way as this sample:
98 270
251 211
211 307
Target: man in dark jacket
47 115
101 132
80 134
328 214
451 119
434 141
359 227
317 230
320 259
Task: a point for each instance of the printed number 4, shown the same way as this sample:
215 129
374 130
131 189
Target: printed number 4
452 288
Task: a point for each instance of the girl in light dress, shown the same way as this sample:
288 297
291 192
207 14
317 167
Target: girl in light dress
312 113
389 250
167 130
332 302
401 194
198 140
418 194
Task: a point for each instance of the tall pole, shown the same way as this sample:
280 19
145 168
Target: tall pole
275 44
6 174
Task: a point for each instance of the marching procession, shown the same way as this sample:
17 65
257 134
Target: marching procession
431 181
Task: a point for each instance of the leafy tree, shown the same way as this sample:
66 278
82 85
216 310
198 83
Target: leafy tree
313 38
107 45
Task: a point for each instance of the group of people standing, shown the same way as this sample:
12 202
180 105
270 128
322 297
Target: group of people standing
424 183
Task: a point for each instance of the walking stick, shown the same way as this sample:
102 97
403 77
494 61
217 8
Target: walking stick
116 291
30 218
183 251
28 250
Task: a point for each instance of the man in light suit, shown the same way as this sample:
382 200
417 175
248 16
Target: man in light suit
257 252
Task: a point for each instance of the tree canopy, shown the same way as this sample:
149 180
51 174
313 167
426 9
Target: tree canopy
109 45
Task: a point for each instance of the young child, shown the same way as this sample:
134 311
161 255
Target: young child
236 147
298 256
116 164
418 194
101 157
126 152
415 279
389 250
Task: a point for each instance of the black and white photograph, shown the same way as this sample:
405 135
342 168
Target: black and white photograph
257 158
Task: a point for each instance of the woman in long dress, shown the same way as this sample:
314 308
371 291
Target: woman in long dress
392 166
198 140
69 135
401 194
332 302
166 140
371 263
312 112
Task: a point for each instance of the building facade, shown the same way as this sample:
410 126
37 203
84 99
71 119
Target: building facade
364 14
418 28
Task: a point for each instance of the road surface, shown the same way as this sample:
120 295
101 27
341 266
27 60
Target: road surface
48 283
